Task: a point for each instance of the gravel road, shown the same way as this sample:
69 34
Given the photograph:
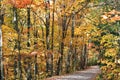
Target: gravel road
87 74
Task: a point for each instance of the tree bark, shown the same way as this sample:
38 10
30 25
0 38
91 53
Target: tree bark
28 26
29 75
52 34
60 61
47 23
71 49
35 47
48 56
19 42
1 57
1 54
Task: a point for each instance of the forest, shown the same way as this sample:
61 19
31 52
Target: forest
44 38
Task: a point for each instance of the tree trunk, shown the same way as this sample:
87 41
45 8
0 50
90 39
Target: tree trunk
71 50
35 47
83 57
1 57
52 34
60 61
19 42
1 54
28 26
35 67
47 23
15 68
29 75
75 59
48 57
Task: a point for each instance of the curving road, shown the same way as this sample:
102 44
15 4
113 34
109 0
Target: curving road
88 74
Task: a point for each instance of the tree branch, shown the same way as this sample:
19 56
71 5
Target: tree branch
40 18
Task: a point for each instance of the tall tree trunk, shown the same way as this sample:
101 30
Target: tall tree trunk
60 61
48 57
35 67
19 57
1 54
47 23
82 53
75 59
83 56
19 41
15 68
29 76
71 49
59 40
35 47
52 34
28 26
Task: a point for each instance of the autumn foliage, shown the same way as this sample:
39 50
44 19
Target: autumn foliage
20 3
111 16
43 38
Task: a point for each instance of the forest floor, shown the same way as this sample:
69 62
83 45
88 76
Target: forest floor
88 74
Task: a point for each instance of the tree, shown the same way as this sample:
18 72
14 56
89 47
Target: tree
1 54
46 37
